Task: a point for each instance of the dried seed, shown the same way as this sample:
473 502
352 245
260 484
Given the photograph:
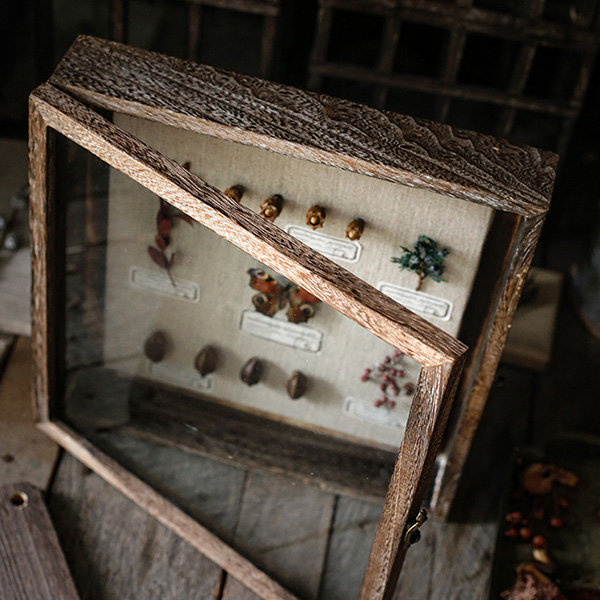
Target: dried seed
252 371
315 216
155 346
206 361
270 209
235 192
296 385
355 229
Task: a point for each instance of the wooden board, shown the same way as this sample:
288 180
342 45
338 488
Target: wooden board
531 337
32 565
15 289
26 454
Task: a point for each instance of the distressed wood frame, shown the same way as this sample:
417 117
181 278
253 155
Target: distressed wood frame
516 182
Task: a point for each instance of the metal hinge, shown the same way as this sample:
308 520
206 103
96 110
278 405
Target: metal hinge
413 535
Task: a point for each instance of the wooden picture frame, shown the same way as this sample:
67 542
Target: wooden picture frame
514 182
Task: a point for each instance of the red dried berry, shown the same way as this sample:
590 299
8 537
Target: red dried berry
563 502
409 388
383 387
525 533
511 533
539 541
397 354
556 522
367 372
378 403
514 518
364 378
400 373
387 360
382 368
395 390
391 403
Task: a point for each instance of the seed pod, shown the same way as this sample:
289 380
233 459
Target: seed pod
206 361
235 192
155 346
315 216
270 209
296 385
252 371
355 229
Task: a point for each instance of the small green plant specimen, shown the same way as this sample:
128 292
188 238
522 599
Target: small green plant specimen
426 259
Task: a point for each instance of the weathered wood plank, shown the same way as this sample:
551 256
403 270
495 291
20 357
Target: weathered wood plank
32 565
116 550
284 528
308 125
26 454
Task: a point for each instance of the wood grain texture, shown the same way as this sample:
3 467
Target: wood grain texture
312 126
489 348
265 241
32 565
116 550
213 547
409 484
232 436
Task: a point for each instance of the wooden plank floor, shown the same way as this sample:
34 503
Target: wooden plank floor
314 542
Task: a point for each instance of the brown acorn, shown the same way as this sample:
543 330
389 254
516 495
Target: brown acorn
206 361
252 371
296 385
315 216
235 192
270 209
355 229
155 346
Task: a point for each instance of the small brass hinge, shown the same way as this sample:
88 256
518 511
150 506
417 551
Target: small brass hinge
413 535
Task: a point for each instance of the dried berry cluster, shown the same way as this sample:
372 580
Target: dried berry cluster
426 259
164 225
538 506
388 376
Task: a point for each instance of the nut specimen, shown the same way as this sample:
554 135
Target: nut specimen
270 209
296 385
252 371
206 361
155 346
355 229
235 192
315 216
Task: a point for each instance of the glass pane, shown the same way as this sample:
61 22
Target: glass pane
259 410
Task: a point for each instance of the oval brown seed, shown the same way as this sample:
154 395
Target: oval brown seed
155 346
270 209
235 192
252 371
206 361
296 385
355 229
315 216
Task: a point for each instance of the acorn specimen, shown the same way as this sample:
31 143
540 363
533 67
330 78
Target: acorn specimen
235 192
270 209
315 216
355 229
155 346
252 371
296 385
206 361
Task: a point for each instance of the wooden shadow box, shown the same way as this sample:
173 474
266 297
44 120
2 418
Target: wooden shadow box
213 269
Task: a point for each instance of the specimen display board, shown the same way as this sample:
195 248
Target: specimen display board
271 278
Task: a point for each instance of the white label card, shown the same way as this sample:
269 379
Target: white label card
333 247
380 415
295 335
423 304
160 283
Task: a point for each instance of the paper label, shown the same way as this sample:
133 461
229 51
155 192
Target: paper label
160 283
422 304
295 335
380 415
187 378
328 245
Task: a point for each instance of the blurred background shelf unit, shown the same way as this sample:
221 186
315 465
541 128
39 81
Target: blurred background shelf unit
481 65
